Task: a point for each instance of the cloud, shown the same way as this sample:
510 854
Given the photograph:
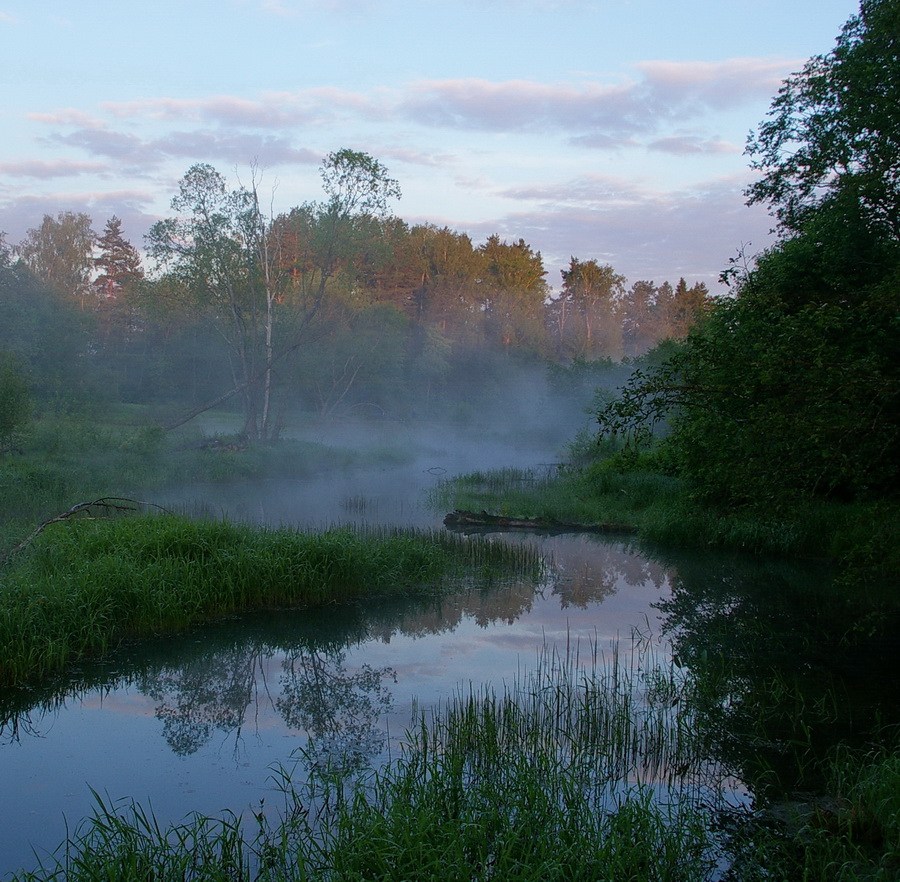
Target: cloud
269 112
643 234
696 86
137 154
416 157
516 105
588 114
67 117
131 206
683 145
38 168
595 190
595 114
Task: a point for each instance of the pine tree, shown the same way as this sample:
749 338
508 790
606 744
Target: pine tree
119 262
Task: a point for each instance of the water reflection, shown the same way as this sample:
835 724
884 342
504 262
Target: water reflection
338 708
197 722
785 664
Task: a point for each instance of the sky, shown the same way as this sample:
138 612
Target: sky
601 129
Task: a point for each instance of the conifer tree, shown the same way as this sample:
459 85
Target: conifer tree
119 263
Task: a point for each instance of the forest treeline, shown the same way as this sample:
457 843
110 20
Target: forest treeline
334 305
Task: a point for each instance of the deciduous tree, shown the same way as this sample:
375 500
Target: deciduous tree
60 253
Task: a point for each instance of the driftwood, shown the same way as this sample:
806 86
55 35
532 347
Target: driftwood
108 504
482 522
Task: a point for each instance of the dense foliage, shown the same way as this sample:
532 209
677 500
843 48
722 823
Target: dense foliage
792 388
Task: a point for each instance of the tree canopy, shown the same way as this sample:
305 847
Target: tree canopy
833 132
793 385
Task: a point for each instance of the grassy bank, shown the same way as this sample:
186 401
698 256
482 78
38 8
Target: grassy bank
861 537
84 586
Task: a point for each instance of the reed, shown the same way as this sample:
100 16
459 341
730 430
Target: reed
551 778
84 586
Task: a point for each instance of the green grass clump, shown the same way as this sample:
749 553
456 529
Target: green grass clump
84 586
851 834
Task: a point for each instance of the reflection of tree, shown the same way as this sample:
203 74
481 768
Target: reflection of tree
207 693
583 569
213 692
785 666
337 709
591 571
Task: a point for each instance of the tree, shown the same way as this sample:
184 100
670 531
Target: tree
208 251
588 308
262 280
638 334
832 132
60 253
682 309
357 184
119 263
511 294
792 388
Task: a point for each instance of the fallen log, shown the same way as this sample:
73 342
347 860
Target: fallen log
470 522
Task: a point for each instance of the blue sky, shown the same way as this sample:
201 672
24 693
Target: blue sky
609 129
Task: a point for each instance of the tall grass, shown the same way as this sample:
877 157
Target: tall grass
84 586
561 776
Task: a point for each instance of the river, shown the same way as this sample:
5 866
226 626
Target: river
202 722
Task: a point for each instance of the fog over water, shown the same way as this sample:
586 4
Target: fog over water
199 722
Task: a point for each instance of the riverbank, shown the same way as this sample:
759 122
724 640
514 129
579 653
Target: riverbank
84 586
862 538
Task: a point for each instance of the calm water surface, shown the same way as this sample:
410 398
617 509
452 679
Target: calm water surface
200 722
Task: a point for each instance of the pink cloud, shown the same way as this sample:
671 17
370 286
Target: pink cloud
140 154
607 116
36 168
68 116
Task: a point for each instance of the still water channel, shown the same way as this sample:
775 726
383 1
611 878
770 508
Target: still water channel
200 723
